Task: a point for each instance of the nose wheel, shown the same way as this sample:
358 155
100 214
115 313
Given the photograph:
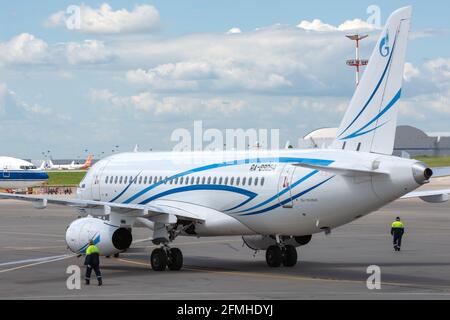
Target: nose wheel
162 258
286 255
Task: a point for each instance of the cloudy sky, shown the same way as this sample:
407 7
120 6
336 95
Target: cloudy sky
129 73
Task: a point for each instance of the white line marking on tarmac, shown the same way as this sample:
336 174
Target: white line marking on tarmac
33 234
33 248
37 261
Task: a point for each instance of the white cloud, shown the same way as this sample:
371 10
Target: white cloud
174 105
439 67
234 31
348 25
104 20
13 107
24 48
410 72
196 75
87 52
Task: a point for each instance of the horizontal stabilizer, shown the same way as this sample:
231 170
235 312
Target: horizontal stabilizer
342 170
432 196
441 172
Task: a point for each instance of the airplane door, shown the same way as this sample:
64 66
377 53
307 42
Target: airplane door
97 181
6 172
284 183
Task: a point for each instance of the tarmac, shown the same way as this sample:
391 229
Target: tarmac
34 260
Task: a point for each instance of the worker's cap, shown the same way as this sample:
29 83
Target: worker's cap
398 218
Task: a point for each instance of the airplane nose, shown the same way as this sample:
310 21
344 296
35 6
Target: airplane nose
421 173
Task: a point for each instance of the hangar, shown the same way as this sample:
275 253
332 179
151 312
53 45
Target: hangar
408 139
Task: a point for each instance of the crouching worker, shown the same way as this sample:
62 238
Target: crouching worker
92 261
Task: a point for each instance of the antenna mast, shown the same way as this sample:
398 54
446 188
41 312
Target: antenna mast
357 62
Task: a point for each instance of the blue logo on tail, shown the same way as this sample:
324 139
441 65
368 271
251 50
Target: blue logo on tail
384 45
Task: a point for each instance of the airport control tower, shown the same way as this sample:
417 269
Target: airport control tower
357 62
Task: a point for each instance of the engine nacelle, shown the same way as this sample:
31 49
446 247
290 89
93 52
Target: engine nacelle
109 239
261 242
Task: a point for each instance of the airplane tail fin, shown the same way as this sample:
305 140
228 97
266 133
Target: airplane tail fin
88 162
370 121
43 165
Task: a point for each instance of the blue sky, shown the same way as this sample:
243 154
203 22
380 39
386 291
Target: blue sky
173 62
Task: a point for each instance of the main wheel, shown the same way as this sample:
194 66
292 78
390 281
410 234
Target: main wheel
175 259
158 259
274 256
289 256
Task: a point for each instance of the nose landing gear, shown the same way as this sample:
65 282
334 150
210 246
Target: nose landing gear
277 255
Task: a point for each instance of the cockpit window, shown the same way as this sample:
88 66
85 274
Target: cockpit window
28 167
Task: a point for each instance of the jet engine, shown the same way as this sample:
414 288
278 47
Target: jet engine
261 242
108 238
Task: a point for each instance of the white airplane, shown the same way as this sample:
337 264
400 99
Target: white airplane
275 199
48 165
19 174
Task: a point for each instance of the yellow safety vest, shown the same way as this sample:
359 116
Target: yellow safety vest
397 224
92 249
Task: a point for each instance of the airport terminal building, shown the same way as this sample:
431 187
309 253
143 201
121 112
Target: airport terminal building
407 139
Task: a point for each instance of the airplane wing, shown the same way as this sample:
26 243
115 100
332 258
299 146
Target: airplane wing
441 172
432 196
157 211
347 170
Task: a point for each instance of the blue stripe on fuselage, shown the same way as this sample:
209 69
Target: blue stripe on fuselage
196 187
287 200
23 175
231 163
306 177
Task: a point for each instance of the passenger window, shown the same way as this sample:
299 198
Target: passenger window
150 180
243 181
120 180
126 179
226 181
192 180
140 179
262 181
238 180
215 180
209 180
231 181
198 180
106 179
250 181
145 180
111 179
181 180
203 180
220 180
256 181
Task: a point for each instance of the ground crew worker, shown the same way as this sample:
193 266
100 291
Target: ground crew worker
397 230
92 261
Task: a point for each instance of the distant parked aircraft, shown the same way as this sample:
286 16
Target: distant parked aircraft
17 174
48 165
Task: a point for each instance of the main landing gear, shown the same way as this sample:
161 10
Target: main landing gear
279 254
166 257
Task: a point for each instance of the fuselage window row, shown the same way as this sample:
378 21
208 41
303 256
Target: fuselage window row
186 180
